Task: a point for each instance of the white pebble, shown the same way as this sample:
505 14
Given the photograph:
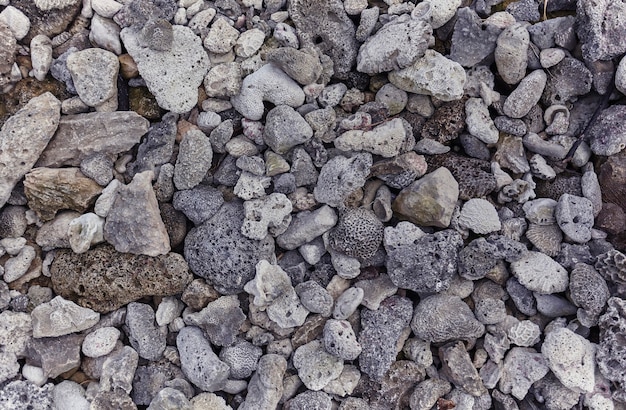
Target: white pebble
100 342
34 374
17 21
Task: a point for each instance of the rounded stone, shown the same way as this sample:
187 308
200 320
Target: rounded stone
100 342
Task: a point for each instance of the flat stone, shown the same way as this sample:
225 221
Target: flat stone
23 138
473 39
458 367
302 65
104 280
56 355
386 140
83 135
61 317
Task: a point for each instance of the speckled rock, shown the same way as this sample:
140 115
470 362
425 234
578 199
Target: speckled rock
21 393
220 320
94 73
242 357
304 66
522 367
306 226
575 217
597 24
316 367
340 176
194 160
607 138
457 366
339 339
358 233
285 128
540 273
147 338
480 216
266 386
571 359
511 53
526 95
100 342
61 317
198 361
473 39
386 140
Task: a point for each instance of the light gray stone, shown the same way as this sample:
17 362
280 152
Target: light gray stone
147 338
220 320
198 361
571 358
316 367
94 72
266 386
386 140
574 214
540 273
61 317
100 342
479 122
194 160
526 95
118 370
307 226
511 53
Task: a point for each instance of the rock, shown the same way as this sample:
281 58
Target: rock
381 330
328 27
620 76
10 366
54 234
94 73
441 318
394 389
209 401
144 336
84 231
51 189
266 386
71 395
358 233
490 311
607 138
311 399
540 273
13 221
223 80
112 399
220 320
194 160
347 303
98 167
570 78
427 393
479 123
339 340
23 138
16 330
176 88
610 354
8 45
100 342
41 56
480 216
571 359
118 370
316 367
522 367
386 140
249 42
526 95
341 176
17 21
201 366
61 317
304 66
268 83
600 30
458 367
524 334
472 40
199 203
19 265
82 135
169 398
575 217
285 128
136 205
20 393
219 252
589 291
432 74
395 46
315 298
104 280
430 200
272 213
242 357
511 53
221 37
56 355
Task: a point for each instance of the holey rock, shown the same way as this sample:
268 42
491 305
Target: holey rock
134 223
104 280
23 138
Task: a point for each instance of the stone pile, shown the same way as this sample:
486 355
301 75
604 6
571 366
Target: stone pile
247 204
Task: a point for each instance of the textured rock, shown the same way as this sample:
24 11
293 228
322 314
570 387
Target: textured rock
118 370
56 355
266 386
458 367
23 138
575 217
272 213
339 339
193 161
307 226
134 224
479 122
522 367
61 317
69 394
82 135
610 354
94 73
100 342
316 367
511 53
220 320
302 65
20 393
526 95
7 53
386 140
570 78
607 137
480 216
571 359
104 280
143 334
285 128
340 177
84 231
473 40
358 233
540 273
198 361
51 189
186 63
600 30
16 331
242 357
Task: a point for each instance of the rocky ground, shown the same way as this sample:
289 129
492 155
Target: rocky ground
312 204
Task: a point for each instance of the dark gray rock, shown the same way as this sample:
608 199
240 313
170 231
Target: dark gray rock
544 34
138 12
242 357
151 378
524 10
26 395
472 40
358 234
218 251
143 333
458 367
569 78
13 221
198 361
522 297
199 203
55 355
220 320
607 134
483 254
157 147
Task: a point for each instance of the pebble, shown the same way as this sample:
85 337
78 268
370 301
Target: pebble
200 365
223 80
285 128
220 320
94 73
194 160
434 315
479 122
526 95
347 303
575 217
61 317
71 395
340 340
522 367
100 342
511 53
473 39
316 367
540 273
18 266
16 20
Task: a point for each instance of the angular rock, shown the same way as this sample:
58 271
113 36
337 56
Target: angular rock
198 361
522 367
570 78
16 331
55 355
144 336
285 128
61 317
220 320
473 40
458 367
104 280
23 138
302 65
316 367
134 224
84 231
83 135
94 72
571 359
340 177
266 386
607 137
118 370
479 122
157 147
24 394
386 140
600 29
199 203
272 213
193 161
49 190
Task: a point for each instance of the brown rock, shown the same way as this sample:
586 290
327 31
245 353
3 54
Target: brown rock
612 178
611 219
175 224
83 135
51 189
104 280
473 175
128 67
49 22
446 123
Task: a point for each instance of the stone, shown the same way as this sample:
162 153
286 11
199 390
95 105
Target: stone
600 30
620 76
341 176
94 73
199 203
315 298
432 74
10 366
358 233
55 355
479 123
430 200
71 395
194 160
427 393
170 398
23 138
249 42
480 216
8 45
118 370
610 356
588 291
395 46
242 357
186 63
570 78
526 95
607 138
219 252
540 273
394 389
571 359
304 66
386 140
266 385
221 37
524 334
285 128
381 331
511 53
19 265
220 320
223 80
136 205
82 135
104 280
316 367
340 340
268 83
50 189
457 366
20 393
442 318
61 317
574 216
347 303
522 367
144 336
41 56
198 361
100 342
16 331
473 39
84 231
209 401
16 20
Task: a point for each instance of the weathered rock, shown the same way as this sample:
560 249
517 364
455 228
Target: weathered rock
340 177
61 317
84 231
386 140
457 365
199 203
83 135
104 280
571 359
266 386
198 361
220 320
607 137
143 334
118 370
21 393
302 65
358 233
94 72
511 53
540 273
55 355
49 190
285 128
473 40
100 342
526 95
522 367
16 331
23 138
194 160
600 29
316 367
570 78
307 226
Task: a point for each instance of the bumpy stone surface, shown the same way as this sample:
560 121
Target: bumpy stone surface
599 29
143 334
457 365
94 72
358 233
442 318
302 65
307 226
24 394
198 361
575 217
219 252
173 76
540 273
570 78
61 317
156 149
220 320
242 357
23 138
194 160
607 137
199 203
522 367
426 264
479 122
526 95
266 386
7 53
272 213
118 370
100 342
480 216
474 176
571 359
396 45
611 353
285 128
339 339
316 367
380 332
83 135
341 176
473 39
104 280
386 140
511 53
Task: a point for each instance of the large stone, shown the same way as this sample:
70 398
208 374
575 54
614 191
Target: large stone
23 138
607 134
134 223
571 358
104 280
386 140
601 28
61 317
82 135
473 39
429 201
49 190
94 72
198 361
55 355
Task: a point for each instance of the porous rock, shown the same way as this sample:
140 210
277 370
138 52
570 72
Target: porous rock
316 367
104 280
193 161
480 216
20 393
340 176
302 65
266 386
610 354
156 149
386 140
574 215
511 53
358 233
522 367
242 357
198 361
285 128
339 339
607 137
94 72
600 29
571 358
220 320
526 95
143 334
540 273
